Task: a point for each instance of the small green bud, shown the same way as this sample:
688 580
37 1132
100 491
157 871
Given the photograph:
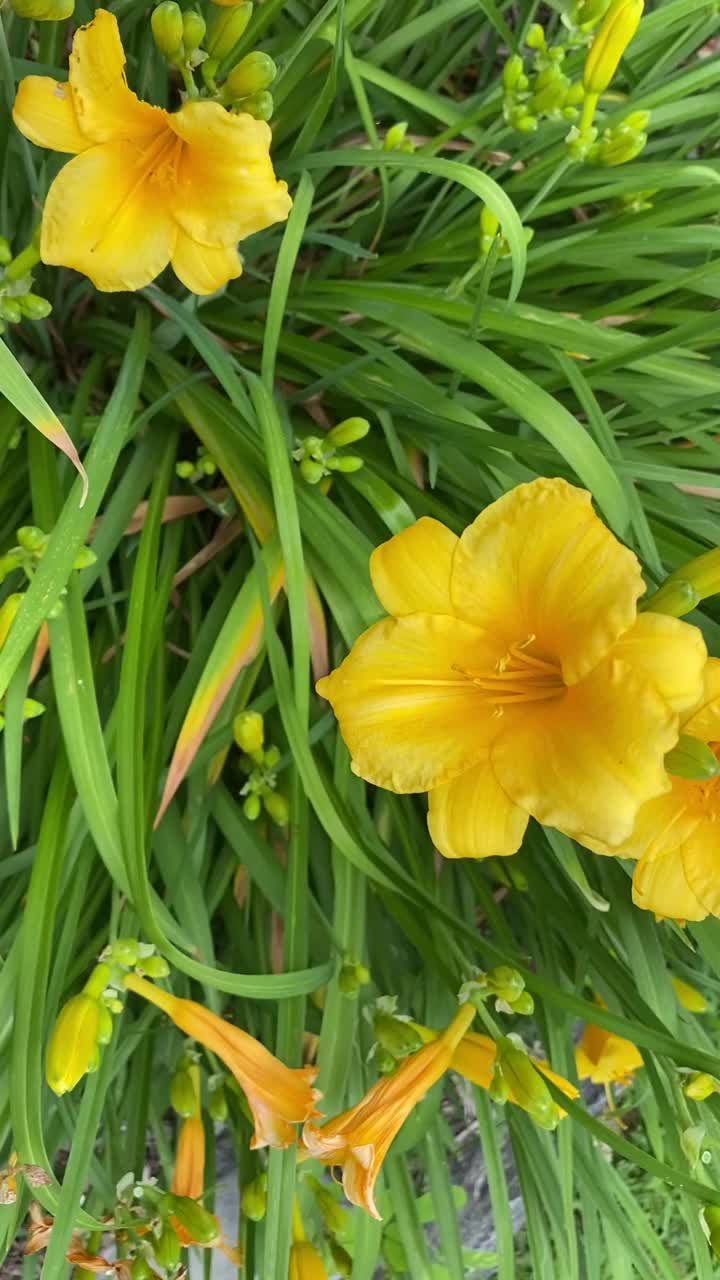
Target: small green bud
125 951
217 1104
31 709
700 1086
249 731
34 307
154 967
199 1223
512 72
252 806
167 28
253 1200
253 73
346 463
32 539
227 27
394 1034
312 472
523 1004
505 983
105 1025
193 32
259 105
349 431
395 136
84 558
535 38
183 1097
271 757
352 976
277 807
10 310
5 252
692 759
166 1247
184 470
527 1085
525 123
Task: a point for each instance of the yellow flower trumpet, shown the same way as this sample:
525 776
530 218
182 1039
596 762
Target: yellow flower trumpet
279 1096
146 187
501 681
606 1058
359 1139
612 39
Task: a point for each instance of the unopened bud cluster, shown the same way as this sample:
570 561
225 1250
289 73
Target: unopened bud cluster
536 87
188 42
260 764
84 1023
396 139
320 456
504 985
17 299
203 466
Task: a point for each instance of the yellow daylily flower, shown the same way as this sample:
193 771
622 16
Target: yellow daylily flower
605 1058
305 1262
502 682
279 1097
146 187
675 838
358 1140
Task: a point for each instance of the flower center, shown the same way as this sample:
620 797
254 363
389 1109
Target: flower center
520 676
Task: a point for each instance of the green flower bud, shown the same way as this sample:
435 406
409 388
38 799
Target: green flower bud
249 731
125 951
167 29
105 1025
345 463
193 30
260 105
700 1086
31 709
72 1047
271 757
166 1247
312 472
527 1085
155 967
184 470
84 558
523 1004
692 759
512 72
199 1223
183 1098
349 431
217 1104
10 310
32 539
535 38
394 1034
252 806
34 307
255 72
505 983
277 807
352 976
5 252
253 1200
227 27
395 136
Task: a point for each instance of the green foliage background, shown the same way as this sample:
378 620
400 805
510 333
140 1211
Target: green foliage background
594 359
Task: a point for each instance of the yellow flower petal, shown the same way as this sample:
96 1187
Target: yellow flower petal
472 817
102 219
45 113
704 722
663 824
226 185
700 855
661 885
539 562
106 108
603 1057
587 761
670 652
411 572
410 719
203 269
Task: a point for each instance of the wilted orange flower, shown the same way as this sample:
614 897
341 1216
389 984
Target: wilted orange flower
605 1058
675 836
279 1096
503 681
359 1139
147 186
